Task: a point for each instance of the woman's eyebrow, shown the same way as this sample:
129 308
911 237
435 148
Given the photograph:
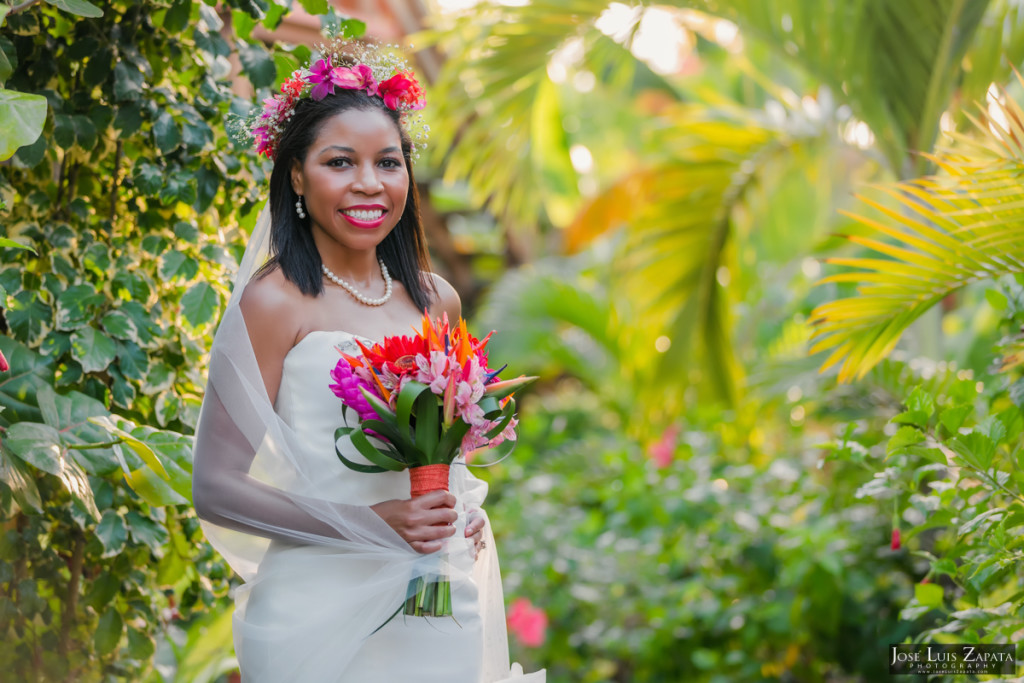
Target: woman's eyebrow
342 148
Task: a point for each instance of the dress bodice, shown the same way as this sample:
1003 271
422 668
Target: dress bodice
305 401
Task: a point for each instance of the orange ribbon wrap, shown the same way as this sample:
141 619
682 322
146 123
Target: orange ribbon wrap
423 480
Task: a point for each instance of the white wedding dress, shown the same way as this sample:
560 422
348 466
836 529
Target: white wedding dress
311 608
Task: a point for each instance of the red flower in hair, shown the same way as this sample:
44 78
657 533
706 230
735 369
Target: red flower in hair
402 89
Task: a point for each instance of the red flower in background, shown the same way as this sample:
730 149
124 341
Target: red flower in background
663 450
528 623
4 366
895 544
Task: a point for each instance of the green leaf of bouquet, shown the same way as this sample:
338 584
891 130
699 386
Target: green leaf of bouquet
379 406
358 467
407 399
497 453
80 8
450 442
23 116
371 453
428 421
8 242
506 415
387 430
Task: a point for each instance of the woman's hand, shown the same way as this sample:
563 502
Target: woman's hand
475 529
423 522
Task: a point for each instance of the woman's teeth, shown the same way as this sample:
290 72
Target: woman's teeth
360 215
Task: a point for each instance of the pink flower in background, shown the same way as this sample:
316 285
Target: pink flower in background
528 623
663 450
4 367
895 544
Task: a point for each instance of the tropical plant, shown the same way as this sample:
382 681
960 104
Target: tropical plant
933 237
682 182
131 210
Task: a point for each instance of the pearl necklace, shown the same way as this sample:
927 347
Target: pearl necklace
359 296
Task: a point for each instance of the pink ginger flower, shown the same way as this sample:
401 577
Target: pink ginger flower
528 623
347 389
4 366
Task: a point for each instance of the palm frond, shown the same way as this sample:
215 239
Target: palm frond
496 112
948 231
896 64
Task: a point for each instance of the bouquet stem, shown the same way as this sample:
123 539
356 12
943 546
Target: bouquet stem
430 595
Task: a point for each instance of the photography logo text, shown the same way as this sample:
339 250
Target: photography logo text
957 658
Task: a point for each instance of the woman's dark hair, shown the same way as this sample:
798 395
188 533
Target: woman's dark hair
404 250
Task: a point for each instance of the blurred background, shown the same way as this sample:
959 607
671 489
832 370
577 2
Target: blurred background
765 255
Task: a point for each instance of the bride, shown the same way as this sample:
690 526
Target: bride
326 552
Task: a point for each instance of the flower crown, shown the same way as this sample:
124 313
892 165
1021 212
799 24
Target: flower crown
346 65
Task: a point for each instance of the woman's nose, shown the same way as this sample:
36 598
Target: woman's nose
367 180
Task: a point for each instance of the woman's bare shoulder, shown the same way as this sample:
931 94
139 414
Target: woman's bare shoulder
271 303
448 300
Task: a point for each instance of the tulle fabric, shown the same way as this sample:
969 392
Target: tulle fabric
252 488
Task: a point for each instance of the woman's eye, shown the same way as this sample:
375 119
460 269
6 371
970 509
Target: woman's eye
340 161
391 163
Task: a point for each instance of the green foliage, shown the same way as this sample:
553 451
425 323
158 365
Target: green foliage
954 472
946 232
123 223
764 566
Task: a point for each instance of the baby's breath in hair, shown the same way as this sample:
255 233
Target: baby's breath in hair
378 70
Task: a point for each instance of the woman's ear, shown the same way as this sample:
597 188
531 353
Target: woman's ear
297 179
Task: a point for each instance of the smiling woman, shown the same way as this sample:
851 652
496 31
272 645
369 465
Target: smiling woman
328 552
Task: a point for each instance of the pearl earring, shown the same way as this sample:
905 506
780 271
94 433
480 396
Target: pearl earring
298 207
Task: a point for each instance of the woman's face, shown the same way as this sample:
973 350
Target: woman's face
354 181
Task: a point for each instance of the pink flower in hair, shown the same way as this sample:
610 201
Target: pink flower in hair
320 76
402 89
358 77
263 142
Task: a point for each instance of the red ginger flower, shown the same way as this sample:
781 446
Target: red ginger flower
895 544
4 366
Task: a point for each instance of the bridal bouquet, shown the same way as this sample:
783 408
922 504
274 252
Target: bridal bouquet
422 400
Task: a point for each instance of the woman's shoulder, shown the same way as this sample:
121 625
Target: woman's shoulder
447 301
270 300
